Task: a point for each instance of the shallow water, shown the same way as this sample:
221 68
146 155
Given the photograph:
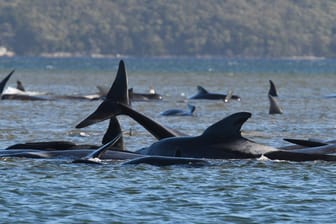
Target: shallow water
237 191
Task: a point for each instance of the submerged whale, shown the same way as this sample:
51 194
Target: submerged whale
221 140
134 96
202 93
178 112
95 158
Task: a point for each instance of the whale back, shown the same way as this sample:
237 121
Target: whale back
228 128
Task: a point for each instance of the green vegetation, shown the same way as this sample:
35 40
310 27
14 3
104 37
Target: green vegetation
233 28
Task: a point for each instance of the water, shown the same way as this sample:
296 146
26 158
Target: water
236 191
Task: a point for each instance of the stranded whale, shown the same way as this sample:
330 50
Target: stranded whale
134 96
222 140
178 112
203 94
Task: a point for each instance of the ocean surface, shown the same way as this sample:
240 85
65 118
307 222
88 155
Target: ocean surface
230 191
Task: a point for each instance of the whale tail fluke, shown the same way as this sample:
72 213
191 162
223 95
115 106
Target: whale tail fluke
4 81
272 91
95 156
118 94
119 89
191 108
274 106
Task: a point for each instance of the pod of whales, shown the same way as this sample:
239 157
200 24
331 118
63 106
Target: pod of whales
19 93
221 140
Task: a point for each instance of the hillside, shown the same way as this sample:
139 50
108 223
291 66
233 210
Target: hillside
232 28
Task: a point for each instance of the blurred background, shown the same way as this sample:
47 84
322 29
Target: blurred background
230 28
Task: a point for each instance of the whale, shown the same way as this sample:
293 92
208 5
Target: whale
113 130
74 154
4 82
112 144
151 96
203 94
19 93
134 96
117 102
95 158
178 112
272 90
167 161
20 86
305 143
274 107
221 140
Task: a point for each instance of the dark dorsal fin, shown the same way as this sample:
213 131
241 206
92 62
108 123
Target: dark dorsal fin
228 127
272 91
191 108
4 81
19 86
118 93
306 143
274 106
201 90
95 156
113 130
